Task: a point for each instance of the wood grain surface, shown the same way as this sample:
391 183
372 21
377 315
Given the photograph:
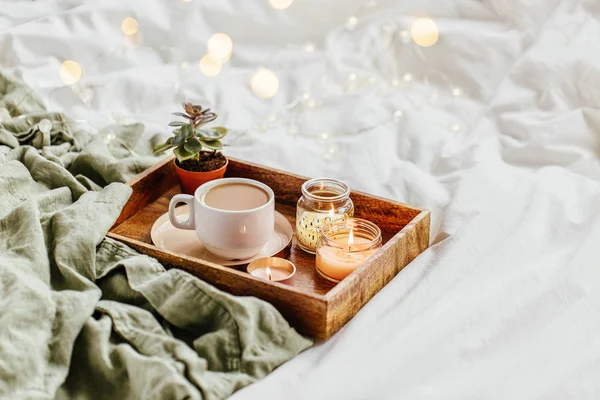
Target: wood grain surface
313 305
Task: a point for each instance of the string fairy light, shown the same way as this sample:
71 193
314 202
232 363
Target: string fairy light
404 36
264 83
70 72
455 127
45 126
220 46
351 23
129 26
281 4
424 32
210 66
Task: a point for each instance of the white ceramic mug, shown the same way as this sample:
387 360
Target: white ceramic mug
229 234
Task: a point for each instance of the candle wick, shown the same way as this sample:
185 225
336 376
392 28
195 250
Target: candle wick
268 272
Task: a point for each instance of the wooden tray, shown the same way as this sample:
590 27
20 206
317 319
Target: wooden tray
313 305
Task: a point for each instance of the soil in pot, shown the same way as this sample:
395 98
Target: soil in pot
208 162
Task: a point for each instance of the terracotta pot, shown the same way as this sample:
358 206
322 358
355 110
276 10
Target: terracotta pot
190 180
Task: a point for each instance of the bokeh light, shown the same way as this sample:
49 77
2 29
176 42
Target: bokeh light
70 72
264 83
351 23
220 47
210 66
281 4
424 32
129 26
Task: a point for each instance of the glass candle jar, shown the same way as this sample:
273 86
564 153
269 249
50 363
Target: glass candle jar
323 200
344 246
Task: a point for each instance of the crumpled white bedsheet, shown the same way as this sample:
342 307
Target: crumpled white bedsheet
494 129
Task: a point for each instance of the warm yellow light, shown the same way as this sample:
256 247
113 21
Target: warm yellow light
220 46
264 83
129 26
209 66
281 4
424 32
70 72
351 23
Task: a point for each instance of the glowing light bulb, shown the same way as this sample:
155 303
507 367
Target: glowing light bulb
351 23
109 138
398 114
220 47
456 91
281 4
264 83
324 135
210 66
352 77
45 126
404 36
424 32
407 77
70 72
129 26
455 127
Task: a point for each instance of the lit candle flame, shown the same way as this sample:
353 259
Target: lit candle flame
351 237
269 276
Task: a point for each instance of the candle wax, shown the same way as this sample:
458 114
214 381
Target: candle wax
277 273
339 263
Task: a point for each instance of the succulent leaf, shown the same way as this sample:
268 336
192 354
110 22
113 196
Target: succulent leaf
188 131
212 144
193 145
161 148
182 154
213 133
176 123
178 139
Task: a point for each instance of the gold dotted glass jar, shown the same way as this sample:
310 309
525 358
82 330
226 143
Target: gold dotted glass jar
323 200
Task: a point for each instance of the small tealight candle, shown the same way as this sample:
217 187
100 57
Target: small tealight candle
273 269
344 246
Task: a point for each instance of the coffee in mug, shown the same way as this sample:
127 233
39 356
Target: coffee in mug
233 217
235 197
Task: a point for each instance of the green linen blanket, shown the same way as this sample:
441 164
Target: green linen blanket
83 316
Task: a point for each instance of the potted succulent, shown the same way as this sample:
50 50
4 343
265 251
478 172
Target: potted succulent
197 149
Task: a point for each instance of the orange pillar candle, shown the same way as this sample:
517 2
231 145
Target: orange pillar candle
344 246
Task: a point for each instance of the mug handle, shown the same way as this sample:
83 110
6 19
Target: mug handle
189 200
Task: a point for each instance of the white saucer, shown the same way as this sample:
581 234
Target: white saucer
166 236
